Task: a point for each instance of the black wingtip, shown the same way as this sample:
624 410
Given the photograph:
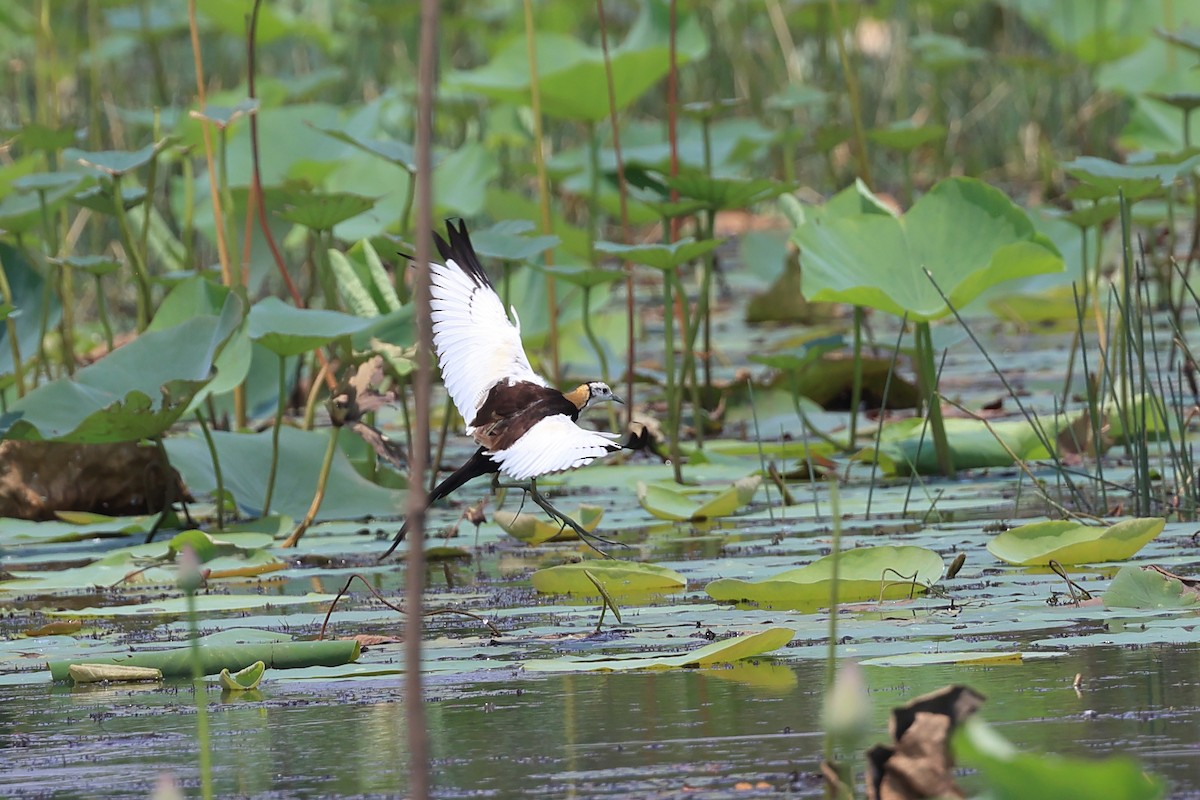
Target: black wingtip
460 250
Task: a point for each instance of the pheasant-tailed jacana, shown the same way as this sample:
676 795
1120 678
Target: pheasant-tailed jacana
524 427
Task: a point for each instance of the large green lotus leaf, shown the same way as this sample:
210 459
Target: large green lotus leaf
617 577
1010 775
536 529
973 444
289 331
511 240
26 284
864 573
721 194
116 162
462 178
969 235
399 154
246 462
1146 587
1106 178
660 256
136 392
1067 542
668 503
722 652
571 75
320 211
195 296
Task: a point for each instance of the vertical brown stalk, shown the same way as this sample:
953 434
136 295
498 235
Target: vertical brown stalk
631 355
414 583
205 130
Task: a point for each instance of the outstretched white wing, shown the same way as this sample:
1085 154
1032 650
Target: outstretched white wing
477 345
553 445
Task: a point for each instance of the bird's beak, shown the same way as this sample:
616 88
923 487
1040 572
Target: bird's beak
618 400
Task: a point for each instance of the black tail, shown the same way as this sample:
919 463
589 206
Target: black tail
478 464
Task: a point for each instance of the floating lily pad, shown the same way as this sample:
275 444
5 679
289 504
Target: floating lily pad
722 652
243 680
617 577
177 606
1147 587
885 572
669 503
536 529
1069 542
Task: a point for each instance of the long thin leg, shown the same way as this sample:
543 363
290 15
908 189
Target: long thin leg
584 534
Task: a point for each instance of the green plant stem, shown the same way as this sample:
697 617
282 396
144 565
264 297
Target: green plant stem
318 496
669 369
216 462
835 557
883 407
857 385
280 408
710 259
860 136
10 325
135 258
591 334
926 375
410 192
687 369
593 190
443 434
66 289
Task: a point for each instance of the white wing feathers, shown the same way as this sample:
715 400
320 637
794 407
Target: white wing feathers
552 445
477 345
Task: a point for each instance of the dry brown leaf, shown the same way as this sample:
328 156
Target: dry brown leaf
919 763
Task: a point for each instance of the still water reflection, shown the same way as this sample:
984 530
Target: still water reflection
583 735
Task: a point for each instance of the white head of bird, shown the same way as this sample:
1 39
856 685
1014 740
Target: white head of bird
585 394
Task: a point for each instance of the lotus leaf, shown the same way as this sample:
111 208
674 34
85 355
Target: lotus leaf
617 577
1068 542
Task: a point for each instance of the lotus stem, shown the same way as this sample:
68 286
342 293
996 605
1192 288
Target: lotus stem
216 462
280 409
319 495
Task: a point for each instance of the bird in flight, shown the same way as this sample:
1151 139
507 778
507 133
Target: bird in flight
524 427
